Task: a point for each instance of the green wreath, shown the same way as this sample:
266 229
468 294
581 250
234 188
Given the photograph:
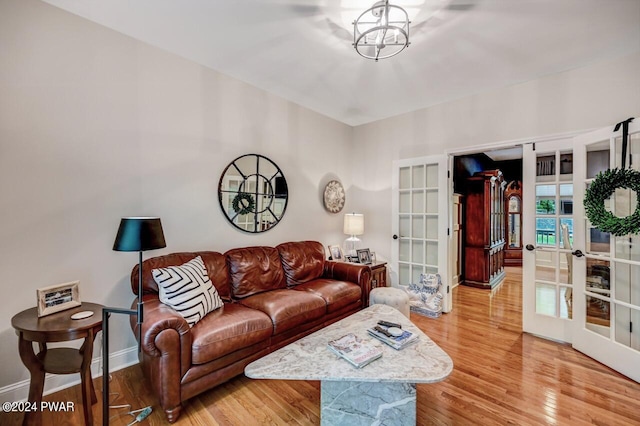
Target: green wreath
243 203
602 188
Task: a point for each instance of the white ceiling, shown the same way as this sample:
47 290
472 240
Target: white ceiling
301 50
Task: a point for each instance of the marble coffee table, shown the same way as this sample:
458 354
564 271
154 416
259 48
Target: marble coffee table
383 392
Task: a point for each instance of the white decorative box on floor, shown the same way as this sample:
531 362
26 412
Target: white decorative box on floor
425 297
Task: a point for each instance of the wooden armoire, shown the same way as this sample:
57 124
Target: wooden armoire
484 229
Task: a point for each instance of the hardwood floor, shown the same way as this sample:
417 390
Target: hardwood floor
501 376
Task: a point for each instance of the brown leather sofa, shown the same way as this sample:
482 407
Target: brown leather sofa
272 296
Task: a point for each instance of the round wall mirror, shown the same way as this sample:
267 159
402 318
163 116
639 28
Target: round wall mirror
253 193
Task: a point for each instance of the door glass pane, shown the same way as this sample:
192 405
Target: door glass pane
405 178
404 252
432 176
566 267
545 165
597 161
417 227
566 166
598 316
416 270
627 330
566 199
430 269
405 202
598 277
417 252
546 262
627 282
569 225
432 253
404 274
417 198
418 177
598 242
566 299
545 199
432 227
545 299
405 231
628 247
432 201
546 231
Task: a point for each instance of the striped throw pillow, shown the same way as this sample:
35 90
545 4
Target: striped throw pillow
188 290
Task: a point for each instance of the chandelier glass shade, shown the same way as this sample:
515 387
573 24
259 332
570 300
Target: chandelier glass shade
382 31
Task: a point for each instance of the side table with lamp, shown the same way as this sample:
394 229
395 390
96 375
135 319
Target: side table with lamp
134 234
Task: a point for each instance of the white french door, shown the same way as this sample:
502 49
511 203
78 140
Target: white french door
420 204
581 285
548 236
607 290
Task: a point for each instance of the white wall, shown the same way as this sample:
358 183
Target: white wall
595 96
95 126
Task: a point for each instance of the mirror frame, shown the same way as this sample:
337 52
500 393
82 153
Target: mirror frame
270 195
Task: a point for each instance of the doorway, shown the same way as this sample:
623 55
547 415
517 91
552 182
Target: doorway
488 185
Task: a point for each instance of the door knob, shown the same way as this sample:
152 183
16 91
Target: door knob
530 247
395 237
577 253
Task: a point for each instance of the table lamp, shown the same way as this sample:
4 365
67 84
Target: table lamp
353 226
134 234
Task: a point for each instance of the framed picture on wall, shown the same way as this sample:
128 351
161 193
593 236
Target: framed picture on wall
364 256
336 253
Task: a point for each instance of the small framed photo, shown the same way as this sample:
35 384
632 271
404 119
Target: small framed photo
336 253
373 258
364 256
352 259
58 298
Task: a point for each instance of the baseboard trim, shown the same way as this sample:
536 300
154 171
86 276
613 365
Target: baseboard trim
55 382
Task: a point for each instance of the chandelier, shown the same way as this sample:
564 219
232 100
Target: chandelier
382 31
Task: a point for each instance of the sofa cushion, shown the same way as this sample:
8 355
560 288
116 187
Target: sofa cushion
337 294
302 261
188 290
253 270
227 330
287 308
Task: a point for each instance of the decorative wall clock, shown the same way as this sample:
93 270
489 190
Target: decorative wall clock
334 196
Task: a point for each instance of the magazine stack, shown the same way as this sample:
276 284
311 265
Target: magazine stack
354 350
393 336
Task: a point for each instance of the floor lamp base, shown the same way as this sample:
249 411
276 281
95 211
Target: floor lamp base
106 312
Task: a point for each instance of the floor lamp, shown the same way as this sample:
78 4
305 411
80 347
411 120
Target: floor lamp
134 234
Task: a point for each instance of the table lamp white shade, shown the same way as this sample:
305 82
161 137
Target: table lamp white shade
353 226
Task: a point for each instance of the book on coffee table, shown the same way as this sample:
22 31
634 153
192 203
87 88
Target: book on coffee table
354 350
396 342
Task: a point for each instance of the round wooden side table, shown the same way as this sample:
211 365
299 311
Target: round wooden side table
58 327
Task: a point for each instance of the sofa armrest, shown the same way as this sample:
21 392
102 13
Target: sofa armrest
353 272
165 333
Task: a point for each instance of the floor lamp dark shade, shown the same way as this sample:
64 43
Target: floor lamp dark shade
134 234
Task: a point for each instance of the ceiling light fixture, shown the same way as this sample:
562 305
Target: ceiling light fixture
382 26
